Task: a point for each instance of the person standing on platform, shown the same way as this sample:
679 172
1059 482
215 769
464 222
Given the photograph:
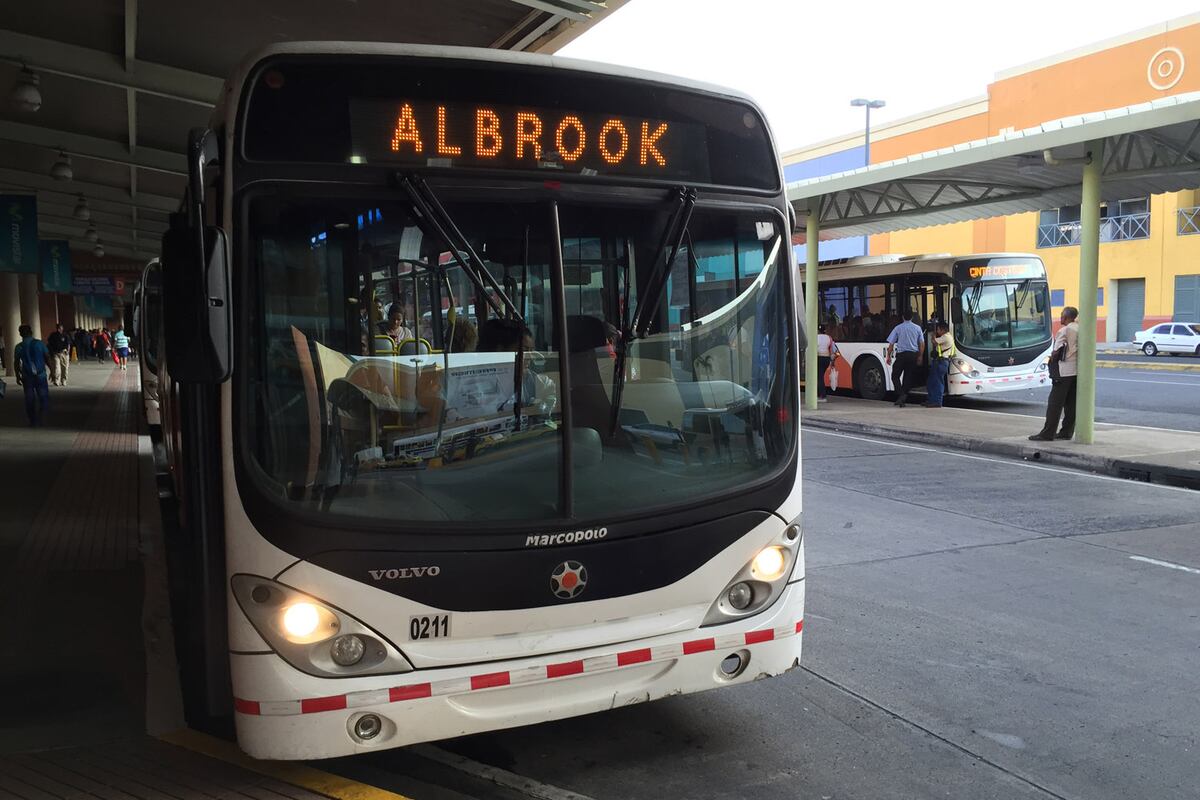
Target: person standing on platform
60 356
939 365
826 352
1064 360
906 343
29 362
121 348
102 343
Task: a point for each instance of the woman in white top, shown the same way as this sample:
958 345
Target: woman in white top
826 350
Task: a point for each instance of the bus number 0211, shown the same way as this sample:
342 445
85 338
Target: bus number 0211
429 627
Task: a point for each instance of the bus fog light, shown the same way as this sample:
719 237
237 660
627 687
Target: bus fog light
368 726
348 650
740 595
733 664
769 564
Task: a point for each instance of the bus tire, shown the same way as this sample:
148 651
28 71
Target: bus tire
870 379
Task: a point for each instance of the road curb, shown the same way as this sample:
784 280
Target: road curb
1031 452
1144 365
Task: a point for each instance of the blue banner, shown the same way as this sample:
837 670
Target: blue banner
56 265
18 233
97 305
93 284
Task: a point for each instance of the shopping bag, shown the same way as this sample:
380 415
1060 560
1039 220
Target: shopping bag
833 376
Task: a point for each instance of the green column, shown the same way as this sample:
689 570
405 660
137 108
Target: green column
1089 276
811 376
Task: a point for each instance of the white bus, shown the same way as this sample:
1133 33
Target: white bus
997 306
395 529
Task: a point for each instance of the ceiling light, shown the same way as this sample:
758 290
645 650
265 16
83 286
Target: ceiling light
98 250
25 95
91 235
61 171
82 212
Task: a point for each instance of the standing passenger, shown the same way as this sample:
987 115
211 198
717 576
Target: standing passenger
29 362
1065 353
939 365
826 352
909 341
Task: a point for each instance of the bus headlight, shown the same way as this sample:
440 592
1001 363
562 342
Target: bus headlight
768 564
760 582
311 635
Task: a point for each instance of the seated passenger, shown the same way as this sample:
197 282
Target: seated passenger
461 337
394 326
504 335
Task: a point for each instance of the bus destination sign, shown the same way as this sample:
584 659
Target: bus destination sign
999 270
486 135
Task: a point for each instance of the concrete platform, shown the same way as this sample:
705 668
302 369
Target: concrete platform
1147 454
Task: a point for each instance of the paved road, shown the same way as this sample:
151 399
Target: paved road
975 628
1130 396
1184 358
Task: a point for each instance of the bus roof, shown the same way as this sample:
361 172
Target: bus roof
869 266
462 54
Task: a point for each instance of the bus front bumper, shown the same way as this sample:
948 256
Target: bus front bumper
433 704
963 384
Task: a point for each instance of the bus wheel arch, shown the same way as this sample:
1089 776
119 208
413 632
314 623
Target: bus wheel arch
870 379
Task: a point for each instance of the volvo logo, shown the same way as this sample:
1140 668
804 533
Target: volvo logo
568 580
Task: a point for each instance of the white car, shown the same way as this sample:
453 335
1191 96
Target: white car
1170 337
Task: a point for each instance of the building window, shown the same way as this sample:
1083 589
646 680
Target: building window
1119 220
1187 220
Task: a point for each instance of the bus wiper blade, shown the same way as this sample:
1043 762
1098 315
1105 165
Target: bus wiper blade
434 212
672 237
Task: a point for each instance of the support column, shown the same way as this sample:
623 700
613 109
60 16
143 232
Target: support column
1089 274
10 316
811 241
31 315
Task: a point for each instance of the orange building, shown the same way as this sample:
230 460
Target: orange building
1150 246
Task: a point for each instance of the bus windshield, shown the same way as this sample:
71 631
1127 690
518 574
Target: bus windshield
1002 315
387 382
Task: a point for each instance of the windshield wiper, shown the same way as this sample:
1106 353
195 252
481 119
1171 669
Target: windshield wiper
672 237
427 203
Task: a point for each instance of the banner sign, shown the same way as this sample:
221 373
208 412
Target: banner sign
56 265
18 233
97 305
93 284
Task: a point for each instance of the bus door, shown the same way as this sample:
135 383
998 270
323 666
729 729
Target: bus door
928 297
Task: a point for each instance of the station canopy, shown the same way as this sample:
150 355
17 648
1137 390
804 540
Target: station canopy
122 83
1149 148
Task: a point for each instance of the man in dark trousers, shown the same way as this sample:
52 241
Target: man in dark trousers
60 356
906 343
1064 350
29 363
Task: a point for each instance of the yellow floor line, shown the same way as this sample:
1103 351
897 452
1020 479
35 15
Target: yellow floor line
295 773
1144 365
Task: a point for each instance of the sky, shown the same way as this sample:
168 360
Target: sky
804 61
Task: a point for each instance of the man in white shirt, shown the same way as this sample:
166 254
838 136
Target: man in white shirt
1062 395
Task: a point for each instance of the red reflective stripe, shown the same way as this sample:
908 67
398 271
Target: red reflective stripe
315 704
699 646
414 692
754 637
245 706
489 680
633 657
799 626
564 669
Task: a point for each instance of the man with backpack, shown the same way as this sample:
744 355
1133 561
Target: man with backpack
29 359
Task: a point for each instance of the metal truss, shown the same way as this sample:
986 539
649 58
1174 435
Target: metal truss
913 196
1147 153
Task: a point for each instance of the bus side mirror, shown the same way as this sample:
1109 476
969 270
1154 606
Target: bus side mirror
197 322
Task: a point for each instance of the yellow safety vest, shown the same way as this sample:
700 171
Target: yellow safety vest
951 353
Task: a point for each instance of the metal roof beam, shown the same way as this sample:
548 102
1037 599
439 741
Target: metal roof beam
97 66
580 12
72 234
83 146
21 180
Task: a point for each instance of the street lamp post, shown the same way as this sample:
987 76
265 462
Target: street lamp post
867 104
